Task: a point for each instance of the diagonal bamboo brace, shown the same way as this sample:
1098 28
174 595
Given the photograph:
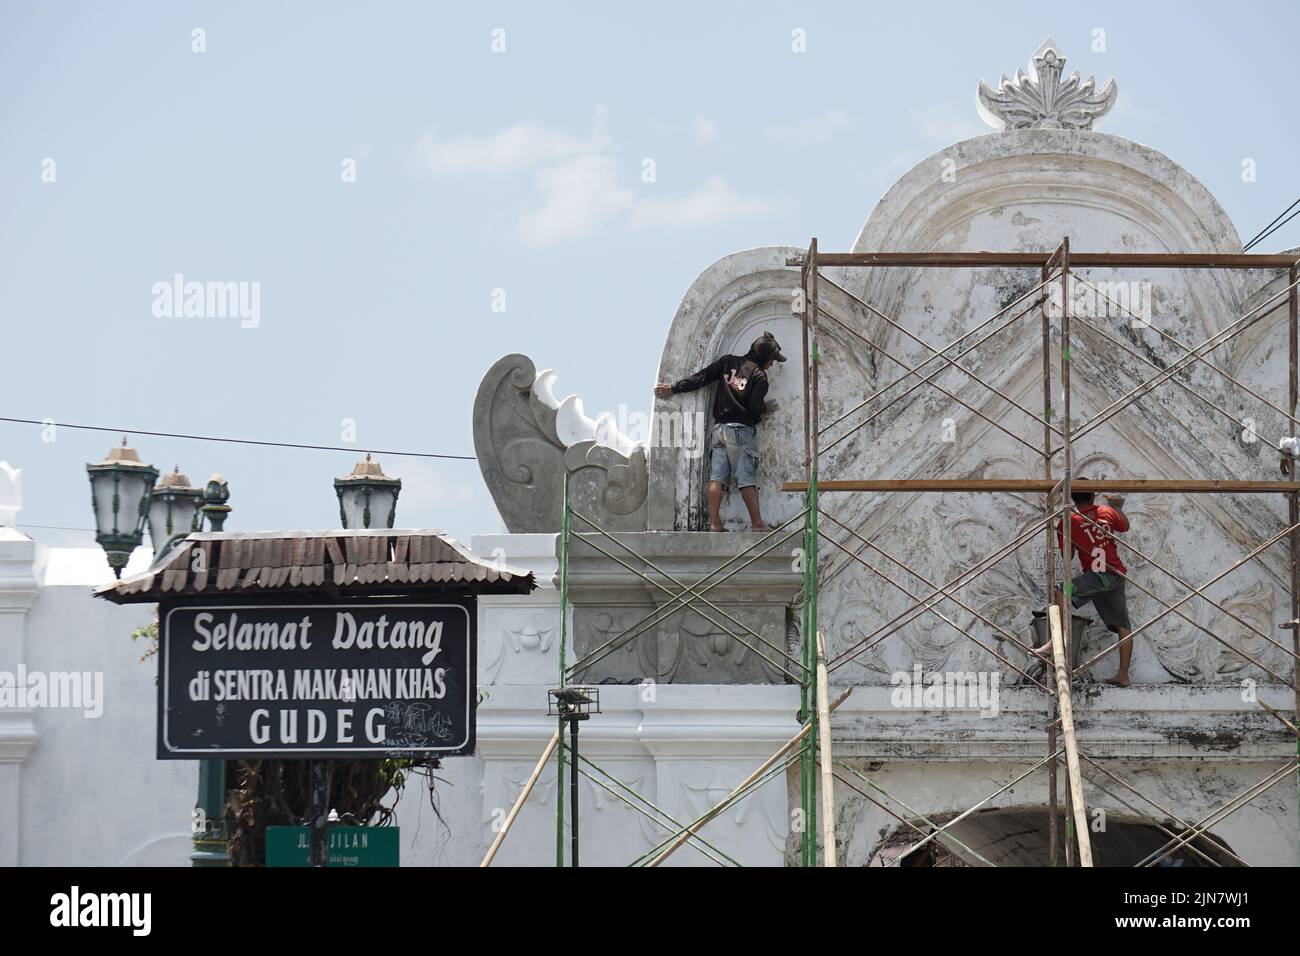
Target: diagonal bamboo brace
722 805
519 801
824 735
1067 731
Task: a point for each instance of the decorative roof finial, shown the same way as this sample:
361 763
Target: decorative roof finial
1042 100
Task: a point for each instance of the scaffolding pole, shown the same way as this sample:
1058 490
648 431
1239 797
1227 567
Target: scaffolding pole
519 801
828 789
808 779
1293 500
1049 569
1080 813
564 634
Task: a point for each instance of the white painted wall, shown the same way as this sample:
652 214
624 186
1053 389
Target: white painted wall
85 790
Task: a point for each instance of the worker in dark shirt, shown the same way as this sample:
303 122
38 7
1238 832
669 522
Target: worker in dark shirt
738 405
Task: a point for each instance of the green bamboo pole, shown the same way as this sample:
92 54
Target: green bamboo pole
564 634
808 585
810 663
814 542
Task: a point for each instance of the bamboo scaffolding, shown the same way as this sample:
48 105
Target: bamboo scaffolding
963 815
637 802
947 620
618 641
1200 358
933 384
815 712
804 732
936 353
1117 260
824 732
681 600
1049 561
889 796
1220 814
1062 262
914 369
921 605
1165 810
773 772
519 801
1184 486
1067 731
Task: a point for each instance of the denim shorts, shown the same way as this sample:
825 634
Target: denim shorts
734 456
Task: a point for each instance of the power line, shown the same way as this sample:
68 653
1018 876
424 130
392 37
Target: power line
1273 226
237 441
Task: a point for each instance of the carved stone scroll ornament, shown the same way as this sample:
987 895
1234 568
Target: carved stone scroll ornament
519 453
1041 100
526 440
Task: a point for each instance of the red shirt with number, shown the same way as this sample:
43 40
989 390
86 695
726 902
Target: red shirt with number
1095 543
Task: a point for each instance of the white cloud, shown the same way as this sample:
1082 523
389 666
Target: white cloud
813 131
522 146
715 201
581 186
578 196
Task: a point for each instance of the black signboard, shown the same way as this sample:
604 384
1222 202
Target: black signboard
342 680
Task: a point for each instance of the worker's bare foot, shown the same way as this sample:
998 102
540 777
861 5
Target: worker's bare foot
1119 680
716 527
763 526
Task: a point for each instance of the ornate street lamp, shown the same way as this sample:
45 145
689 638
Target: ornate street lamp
367 497
173 510
119 492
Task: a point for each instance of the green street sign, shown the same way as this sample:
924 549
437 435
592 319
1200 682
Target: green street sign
348 846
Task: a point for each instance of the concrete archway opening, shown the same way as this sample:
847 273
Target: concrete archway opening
1020 837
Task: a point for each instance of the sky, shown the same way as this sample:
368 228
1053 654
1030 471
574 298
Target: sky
413 190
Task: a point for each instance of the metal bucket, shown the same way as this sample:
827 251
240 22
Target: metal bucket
1074 643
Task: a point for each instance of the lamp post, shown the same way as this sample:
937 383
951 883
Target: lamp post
367 497
124 498
210 840
120 488
173 510
573 705
215 495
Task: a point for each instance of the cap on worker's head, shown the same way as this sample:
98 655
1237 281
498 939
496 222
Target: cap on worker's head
1082 497
766 347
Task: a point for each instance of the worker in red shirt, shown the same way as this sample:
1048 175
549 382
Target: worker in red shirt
1092 534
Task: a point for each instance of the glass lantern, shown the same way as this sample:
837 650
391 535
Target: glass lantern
120 487
174 509
367 497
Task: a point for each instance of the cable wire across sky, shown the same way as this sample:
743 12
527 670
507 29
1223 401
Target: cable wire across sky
238 441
